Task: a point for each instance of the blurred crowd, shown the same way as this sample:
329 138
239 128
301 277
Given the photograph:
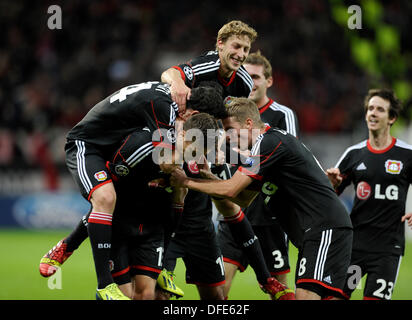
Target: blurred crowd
50 78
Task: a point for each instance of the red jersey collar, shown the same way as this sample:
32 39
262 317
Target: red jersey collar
371 149
267 105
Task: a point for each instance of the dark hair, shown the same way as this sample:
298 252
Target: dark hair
208 99
206 124
395 105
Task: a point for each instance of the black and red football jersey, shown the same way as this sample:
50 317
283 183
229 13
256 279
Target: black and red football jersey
279 160
381 179
279 116
206 68
147 104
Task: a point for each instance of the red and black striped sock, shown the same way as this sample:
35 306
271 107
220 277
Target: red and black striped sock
100 233
244 235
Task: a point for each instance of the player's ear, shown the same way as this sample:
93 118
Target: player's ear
249 123
392 120
219 44
269 82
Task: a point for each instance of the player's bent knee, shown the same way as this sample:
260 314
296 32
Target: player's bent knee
104 198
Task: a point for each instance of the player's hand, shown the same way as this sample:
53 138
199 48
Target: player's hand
178 178
334 176
244 153
204 169
408 217
180 94
158 183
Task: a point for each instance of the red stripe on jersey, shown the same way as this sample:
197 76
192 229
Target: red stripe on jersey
371 149
250 173
225 82
236 263
323 285
121 272
267 105
96 187
118 151
370 298
182 74
147 268
267 157
163 145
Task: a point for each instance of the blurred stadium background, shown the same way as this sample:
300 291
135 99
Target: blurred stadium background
50 78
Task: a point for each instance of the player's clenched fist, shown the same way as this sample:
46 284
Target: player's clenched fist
334 176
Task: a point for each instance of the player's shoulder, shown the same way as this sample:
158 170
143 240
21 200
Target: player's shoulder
206 62
286 114
275 106
403 145
245 77
352 151
356 147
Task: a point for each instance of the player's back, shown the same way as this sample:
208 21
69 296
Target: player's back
147 104
134 167
287 163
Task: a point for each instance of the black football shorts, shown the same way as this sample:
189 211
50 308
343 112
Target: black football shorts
273 242
323 262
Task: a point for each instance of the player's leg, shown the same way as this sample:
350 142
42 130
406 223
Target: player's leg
233 257
323 263
211 292
56 256
144 287
230 272
166 286
382 274
244 235
145 251
88 168
99 228
203 261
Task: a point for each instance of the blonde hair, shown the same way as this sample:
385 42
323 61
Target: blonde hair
238 28
242 109
257 59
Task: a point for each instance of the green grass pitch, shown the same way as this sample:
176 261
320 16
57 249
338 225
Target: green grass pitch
20 279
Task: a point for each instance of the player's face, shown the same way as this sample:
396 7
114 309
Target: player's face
233 52
260 83
237 134
377 114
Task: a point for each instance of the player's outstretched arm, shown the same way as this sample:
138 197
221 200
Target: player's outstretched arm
179 91
232 189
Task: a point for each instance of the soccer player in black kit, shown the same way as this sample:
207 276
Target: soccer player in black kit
380 169
278 158
144 217
93 141
272 238
223 66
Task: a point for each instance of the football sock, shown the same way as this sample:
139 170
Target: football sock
172 223
243 234
78 235
100 232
